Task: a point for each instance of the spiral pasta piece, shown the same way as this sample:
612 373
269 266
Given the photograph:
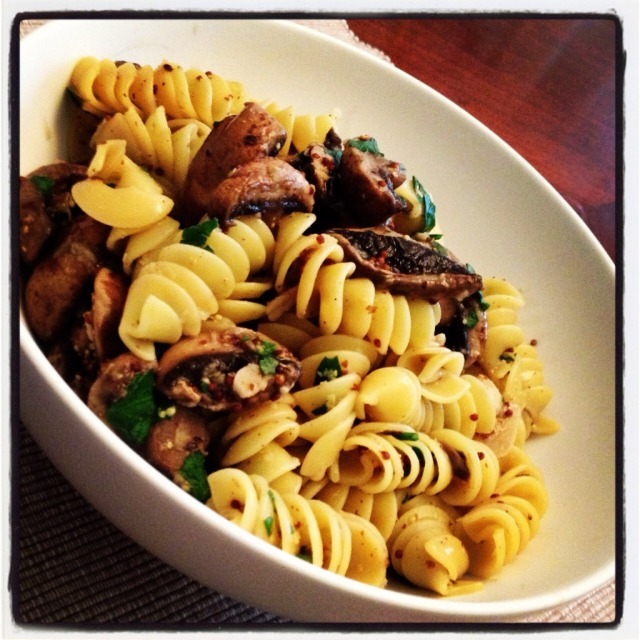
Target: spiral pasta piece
336 302
439 371
165 147
511 363
346 354
119 193
177 287
476 469
525 387
328 410
391 394
496 530
380 509
503 334
341 542
105 87
290 331
387 457
302 130
248 501
256 442
424 550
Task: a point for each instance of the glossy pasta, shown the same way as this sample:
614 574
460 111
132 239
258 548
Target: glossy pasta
512 363
340 542
302 130
177 287
394 450
499 528
344 304
166 147
424 549
104 88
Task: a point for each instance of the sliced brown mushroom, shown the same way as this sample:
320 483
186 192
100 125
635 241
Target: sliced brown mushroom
113 379
318 165
173 438
57 283
45 196
407 266
464 325
268 186
369 181
226 369
247 136
107 302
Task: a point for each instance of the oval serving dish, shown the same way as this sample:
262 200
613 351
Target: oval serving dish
494 209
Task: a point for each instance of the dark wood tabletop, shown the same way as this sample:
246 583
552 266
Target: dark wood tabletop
549 87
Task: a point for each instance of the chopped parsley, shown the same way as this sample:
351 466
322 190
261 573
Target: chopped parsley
43 184
428 205
133 415
328 369
470 319
366 145
505 357
193 471
269 521
406 435
198 234
267 361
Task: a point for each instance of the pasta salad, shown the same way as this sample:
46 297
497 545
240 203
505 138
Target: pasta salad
270 315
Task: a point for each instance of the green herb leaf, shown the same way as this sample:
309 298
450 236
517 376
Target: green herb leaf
428 206
442 250
194 473
506 357
406 435
198 234
267 362
366 145
470 319
43 184
484 305
133 415
328 369
268 524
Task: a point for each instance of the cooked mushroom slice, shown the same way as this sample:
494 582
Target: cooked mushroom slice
57 283
269 186
369 181
250 135
226 369
113 379
35 223
176 436
318 165
108 298
406 266
45 194
464 325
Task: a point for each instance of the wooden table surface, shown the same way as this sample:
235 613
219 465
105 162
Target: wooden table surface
546 86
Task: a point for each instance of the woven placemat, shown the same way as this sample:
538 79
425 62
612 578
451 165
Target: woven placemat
71 567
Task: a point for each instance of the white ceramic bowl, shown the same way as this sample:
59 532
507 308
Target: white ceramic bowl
495 211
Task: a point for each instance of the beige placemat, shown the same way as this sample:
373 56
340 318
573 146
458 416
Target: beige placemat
74 549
